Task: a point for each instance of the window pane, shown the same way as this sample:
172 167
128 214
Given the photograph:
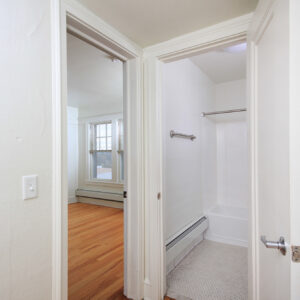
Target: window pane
98 130
120 135
109 129
102 165
121 158
97 143
103 144
102 130
109 143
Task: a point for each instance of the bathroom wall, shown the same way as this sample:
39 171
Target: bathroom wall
72 153
190 169
232 145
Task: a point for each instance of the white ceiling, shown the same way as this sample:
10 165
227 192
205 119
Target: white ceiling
223 65
95 82
148 22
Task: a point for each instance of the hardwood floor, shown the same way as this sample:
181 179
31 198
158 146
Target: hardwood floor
95 253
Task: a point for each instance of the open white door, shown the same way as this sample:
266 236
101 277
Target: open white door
274 128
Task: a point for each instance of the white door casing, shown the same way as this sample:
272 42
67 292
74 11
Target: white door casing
274 164
69 14
223 34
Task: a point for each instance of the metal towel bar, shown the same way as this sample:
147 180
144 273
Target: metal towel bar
182 135
223 112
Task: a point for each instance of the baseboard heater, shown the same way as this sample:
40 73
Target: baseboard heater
181 244
100 195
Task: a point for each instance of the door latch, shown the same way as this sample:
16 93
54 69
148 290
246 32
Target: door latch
295 253
280 245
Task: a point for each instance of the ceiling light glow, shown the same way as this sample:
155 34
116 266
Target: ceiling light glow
236 48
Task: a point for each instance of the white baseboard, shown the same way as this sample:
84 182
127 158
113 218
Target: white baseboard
117 196
108 203
183 247
225 240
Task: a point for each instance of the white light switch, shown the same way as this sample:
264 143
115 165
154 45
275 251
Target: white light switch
30 187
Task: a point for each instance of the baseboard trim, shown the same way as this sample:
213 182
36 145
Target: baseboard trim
101 202
104 195
194 235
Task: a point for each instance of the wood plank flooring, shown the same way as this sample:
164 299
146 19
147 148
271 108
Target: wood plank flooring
95 253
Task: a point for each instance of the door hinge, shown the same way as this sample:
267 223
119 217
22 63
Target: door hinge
295 253
125 194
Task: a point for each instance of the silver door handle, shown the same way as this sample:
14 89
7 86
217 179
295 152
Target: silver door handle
280 245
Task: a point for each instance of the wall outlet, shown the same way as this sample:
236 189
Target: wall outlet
30 188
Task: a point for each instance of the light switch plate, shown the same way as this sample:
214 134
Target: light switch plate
30 188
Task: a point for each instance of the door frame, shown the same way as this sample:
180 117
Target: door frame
222 34
72 16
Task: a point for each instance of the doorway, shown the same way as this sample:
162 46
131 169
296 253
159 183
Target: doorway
79 22
95 172
206 177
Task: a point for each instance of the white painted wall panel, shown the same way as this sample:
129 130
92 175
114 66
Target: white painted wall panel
232 145
190 167
26 144
232 158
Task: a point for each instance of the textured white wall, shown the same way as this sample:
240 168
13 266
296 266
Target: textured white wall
232 146
190 167
25 116
72 153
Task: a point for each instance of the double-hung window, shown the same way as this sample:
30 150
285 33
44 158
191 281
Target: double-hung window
106 151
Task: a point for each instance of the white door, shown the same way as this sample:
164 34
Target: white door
274 144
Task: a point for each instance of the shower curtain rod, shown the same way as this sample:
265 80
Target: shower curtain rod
223 112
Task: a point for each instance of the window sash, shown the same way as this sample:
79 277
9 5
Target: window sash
112 134
100 141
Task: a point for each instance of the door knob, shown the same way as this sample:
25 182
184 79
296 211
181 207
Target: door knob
280 245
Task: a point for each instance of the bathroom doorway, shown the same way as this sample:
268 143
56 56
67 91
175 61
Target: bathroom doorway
206 174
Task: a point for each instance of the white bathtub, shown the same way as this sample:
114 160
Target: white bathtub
228 225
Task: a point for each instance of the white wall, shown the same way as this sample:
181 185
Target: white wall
25 115
190 167
232 157
232 146
214 168
72 153
95 82
231 95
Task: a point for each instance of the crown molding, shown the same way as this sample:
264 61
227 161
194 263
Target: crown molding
185 45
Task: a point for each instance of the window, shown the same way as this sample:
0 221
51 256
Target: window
107 151
121 149
103 136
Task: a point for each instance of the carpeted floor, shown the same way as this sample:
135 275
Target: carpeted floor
212 271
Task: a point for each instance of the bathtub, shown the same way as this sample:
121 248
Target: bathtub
228 224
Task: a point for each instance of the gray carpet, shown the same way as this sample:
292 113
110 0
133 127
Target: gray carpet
211 271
